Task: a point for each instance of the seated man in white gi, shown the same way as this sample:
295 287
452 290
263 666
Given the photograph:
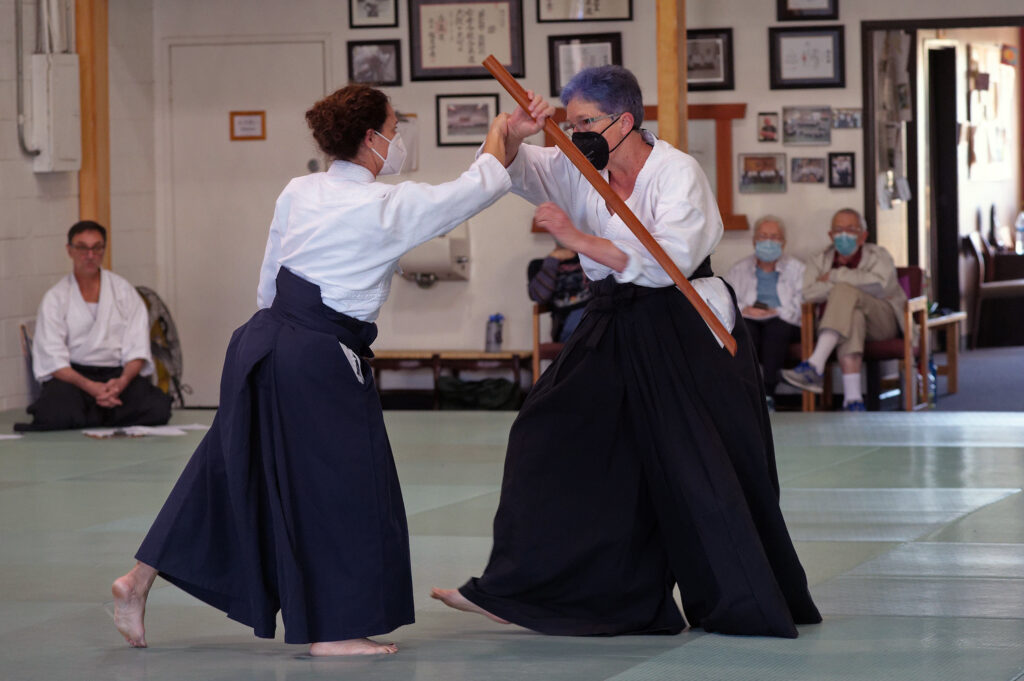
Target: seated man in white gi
91 347
864 301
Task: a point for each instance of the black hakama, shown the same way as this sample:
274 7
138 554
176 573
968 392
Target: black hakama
642 457
292 499
63 406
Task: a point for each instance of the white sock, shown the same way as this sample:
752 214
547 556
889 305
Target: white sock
851 388
827 342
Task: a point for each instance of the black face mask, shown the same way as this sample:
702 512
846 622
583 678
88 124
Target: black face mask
594 146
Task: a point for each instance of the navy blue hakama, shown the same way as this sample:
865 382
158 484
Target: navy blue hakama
291 502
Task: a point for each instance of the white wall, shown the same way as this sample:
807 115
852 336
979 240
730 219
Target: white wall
35 213
132 153
38 209
451 314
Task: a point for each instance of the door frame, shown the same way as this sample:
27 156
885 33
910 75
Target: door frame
164 200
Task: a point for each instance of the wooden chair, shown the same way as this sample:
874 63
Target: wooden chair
915 311
25 332
984 288
541 351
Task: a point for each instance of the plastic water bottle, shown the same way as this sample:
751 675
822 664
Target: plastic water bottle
493 339
1019 227
933 384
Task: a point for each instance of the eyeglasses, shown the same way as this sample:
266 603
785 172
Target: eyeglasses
584 123
83 249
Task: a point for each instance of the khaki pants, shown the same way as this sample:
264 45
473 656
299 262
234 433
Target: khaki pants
857 316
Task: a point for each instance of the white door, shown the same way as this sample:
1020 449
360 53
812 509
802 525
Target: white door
223 190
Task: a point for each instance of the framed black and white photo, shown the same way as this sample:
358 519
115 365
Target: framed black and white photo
806 125
570 54
807 170
550 11
841 170
846 118
372 13
375 62
448 39
806 57
709 64
762 173
463 120
807 10
768 126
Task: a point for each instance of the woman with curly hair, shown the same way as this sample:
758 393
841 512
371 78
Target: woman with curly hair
292 501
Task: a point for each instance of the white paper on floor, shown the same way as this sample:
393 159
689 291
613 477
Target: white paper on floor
140 431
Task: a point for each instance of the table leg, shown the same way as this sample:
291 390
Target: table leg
952 350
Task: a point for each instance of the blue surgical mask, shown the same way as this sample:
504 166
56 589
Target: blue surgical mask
768 250
845 243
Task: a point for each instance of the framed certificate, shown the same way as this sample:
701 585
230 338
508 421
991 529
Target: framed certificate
549 11
810 57
448 39
570 54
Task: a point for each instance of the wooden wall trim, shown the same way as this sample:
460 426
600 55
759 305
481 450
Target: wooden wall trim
94 177
671 34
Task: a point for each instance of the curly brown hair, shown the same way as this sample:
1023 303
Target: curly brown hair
340 120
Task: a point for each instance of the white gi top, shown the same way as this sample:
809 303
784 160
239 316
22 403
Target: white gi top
345 232
67 332
671 198
791 283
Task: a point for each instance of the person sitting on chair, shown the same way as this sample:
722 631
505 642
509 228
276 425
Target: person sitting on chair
558 282
91 349
768 286
864 301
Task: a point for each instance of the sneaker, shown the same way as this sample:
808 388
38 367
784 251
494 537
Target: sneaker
854 406
804 376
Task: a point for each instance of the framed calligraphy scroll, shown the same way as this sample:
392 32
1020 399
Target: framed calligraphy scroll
449 39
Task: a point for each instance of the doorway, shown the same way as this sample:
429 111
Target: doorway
222 190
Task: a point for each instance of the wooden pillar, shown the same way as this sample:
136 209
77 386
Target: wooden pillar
671 31
94 177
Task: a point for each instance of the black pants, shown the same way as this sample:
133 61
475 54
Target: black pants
771 339
63 406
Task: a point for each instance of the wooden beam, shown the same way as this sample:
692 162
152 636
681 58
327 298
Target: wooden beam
671 32
94 177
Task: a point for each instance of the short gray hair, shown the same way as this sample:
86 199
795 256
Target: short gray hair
770 218
850 211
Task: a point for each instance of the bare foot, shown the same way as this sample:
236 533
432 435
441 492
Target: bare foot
353 646
453 599
130 593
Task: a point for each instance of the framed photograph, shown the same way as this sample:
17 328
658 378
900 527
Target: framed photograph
806 125
768 126
762 173
841 170
570 54
807 10
463 120
375 62
372 13
807 170
810 57
846 118
448 39
550 11
709 64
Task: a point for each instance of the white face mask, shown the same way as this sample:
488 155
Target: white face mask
396 155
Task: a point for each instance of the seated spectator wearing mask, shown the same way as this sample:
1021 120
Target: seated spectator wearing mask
768 292
864 301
